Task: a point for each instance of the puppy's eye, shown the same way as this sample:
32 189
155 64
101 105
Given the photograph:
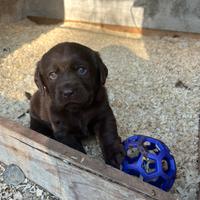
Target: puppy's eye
53 75
82 71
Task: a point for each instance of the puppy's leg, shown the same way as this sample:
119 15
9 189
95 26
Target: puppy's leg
60 136
41 127
69 140
110 142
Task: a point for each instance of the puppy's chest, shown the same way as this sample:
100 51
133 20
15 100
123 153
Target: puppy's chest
77 124
80 125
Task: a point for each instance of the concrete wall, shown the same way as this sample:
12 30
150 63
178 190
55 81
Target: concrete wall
177 15
46 8
11 10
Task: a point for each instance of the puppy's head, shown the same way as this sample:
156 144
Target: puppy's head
70 74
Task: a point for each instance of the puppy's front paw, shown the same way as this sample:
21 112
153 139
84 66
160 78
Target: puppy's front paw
115 155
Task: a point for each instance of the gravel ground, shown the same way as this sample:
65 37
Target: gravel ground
153 86
26 190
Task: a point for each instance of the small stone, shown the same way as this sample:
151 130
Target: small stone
32 189
27 187
17 196
13 175
39 192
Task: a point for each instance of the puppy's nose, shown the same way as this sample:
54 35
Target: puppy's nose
67 93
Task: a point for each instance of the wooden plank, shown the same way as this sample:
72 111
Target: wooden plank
198 194
119 28
66 172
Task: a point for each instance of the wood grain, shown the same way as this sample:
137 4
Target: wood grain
67 173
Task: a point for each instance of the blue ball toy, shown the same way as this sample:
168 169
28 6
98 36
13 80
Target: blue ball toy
149 159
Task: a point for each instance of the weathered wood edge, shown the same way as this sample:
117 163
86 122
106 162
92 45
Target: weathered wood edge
80 160
198 194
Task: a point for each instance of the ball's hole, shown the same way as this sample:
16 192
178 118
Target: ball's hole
133 154
165 165
151 147
149 165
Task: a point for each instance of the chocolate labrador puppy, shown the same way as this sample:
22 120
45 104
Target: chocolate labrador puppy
72 102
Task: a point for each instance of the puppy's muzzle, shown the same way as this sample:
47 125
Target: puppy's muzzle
66 93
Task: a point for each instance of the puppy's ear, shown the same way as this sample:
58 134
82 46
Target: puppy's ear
102 69
38 79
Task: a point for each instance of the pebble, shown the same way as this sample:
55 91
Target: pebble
13 175
17 196
39 192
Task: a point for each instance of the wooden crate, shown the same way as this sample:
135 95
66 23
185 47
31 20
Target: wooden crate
67 173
